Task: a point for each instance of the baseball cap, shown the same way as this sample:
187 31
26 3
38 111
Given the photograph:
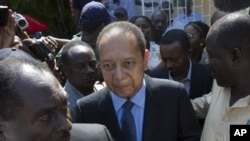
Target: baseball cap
13 52
94 12
120 10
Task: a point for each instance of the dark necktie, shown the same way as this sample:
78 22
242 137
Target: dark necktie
128 124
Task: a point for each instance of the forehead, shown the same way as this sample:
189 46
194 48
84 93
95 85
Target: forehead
174 47
141 20
118 45
38 89
191 28
80 49
159 16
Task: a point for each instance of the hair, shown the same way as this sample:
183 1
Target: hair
10 100
143 17
232 31
68 46
125 28
176 35
201 27
132 19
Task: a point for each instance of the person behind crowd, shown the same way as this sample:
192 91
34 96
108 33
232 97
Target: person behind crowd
121 14
160 22
79 65
228 50
146 27
154 103
175 51
188 14
197 32
94 17
77 8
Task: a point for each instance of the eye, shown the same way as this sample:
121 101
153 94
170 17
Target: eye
108 66
129 63
92 64
45 117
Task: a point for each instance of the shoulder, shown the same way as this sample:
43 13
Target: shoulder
159 73
89 132
163 85
200 68
94 97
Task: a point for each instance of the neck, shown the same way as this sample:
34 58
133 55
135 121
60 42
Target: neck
239 92
86 91
181 76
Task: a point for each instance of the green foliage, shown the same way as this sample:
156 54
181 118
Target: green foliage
55 13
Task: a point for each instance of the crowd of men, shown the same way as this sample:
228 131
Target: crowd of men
128 79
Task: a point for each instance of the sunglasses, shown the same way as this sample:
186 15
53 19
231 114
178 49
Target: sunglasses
191 35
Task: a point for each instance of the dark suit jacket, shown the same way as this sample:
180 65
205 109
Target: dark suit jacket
201 79
89 132
168 114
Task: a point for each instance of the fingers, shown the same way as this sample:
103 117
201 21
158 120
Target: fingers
50 43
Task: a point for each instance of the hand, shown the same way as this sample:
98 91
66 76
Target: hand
51 43
7 32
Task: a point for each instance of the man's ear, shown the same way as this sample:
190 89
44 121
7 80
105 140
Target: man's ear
236 55
146 57
2 136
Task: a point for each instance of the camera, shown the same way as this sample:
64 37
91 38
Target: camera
20 21
4 13
41 50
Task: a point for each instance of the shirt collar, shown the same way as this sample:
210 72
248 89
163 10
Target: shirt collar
138 99
69 85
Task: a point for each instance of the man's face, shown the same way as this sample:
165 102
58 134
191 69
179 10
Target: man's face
145 27
44 115
219 62
175 58
81 67
122 64
160 23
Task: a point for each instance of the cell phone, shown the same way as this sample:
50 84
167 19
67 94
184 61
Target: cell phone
4 14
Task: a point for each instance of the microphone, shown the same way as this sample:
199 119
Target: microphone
231 5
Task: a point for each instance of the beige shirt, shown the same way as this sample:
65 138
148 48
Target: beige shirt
220 115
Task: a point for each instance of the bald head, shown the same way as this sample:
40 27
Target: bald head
217 15
231 31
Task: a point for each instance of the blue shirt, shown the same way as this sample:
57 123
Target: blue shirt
187 80
137 110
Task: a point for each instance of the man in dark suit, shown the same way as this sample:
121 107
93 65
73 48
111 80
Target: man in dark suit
161 109
175 51
89 132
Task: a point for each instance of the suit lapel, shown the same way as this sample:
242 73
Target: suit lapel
109 118
194 85
152 113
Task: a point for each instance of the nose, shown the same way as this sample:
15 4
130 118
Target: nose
118 73
64 122
89 69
